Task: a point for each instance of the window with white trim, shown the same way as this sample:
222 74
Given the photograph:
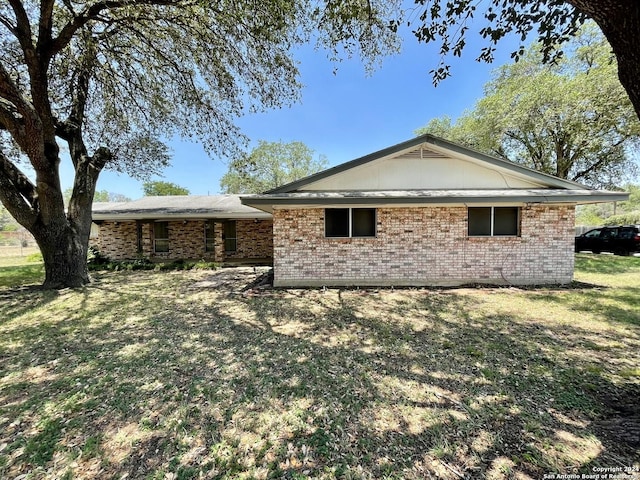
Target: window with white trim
494 221
349 222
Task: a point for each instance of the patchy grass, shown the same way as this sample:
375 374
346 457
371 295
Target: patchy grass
154 375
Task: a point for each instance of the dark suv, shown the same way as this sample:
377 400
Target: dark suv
621 240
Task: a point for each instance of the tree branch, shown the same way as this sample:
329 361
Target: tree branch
93 13
12 107
9 26
7 118
45 24
23 27
17 193
603 159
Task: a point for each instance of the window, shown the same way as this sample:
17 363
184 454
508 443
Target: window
350 222
161 237
493 221
229 236
209 236
139 237
593 233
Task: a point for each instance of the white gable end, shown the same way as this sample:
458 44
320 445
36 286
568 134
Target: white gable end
424 168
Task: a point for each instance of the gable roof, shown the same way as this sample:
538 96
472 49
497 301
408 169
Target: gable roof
177 207
432 171
435 148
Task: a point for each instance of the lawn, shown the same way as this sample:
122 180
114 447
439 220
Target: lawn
18 266
160 375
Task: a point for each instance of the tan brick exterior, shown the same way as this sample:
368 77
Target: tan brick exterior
424 246
119 240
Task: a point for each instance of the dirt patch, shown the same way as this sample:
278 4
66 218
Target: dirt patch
237 279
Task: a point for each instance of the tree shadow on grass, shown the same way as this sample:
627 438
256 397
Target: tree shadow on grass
151 381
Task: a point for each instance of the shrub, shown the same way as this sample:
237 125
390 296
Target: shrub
146 264
630 218
95 257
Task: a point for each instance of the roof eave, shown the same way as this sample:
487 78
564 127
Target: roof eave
164 216
267 203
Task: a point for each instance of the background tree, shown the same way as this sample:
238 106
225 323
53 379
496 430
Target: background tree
107 78
99 196
614 213
270 165
163 189
553 21
572 119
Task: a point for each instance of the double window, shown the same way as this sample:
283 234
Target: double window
161 237
494 221
350 222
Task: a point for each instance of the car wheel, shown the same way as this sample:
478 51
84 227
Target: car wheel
595 251
623 253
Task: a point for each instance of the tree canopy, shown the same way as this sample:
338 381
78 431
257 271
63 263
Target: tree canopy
270 165
99 196
111 80
552 22
572 119
163 189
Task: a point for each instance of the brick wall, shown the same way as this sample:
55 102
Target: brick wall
118 241
255 239
424 246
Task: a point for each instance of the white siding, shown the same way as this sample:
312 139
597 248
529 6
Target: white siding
423 169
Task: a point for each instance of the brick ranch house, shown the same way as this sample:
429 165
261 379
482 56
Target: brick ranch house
425 212
215 228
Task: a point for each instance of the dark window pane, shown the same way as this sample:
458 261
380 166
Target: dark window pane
161 245
505 221
479 221
363 222
230 245
230 237
161 236
336 222
161 230
209 237
139 236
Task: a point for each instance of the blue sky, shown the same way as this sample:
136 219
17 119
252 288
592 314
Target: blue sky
342 116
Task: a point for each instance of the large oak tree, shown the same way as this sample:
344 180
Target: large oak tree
107 79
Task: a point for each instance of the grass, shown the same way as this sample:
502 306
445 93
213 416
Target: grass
151 375
18 266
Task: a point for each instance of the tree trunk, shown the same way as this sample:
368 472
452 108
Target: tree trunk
65 258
